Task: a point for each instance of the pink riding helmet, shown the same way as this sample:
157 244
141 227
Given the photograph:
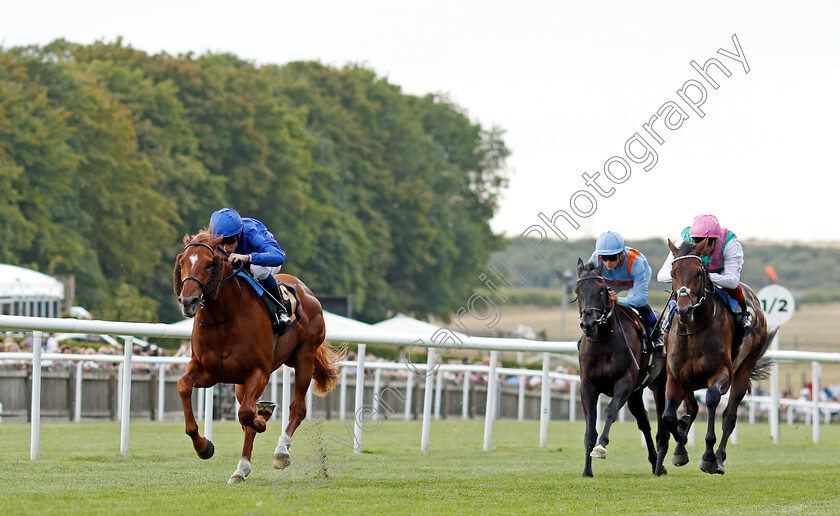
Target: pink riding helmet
704 226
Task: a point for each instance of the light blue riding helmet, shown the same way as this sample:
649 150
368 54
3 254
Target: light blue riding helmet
225 222
609 243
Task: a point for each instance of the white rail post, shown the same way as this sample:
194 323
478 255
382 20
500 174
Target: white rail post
342 395
545 400
815 398
572 400
287 388
427 400
208 412
120 376
409 394
520 405
199 404
774 394
358 411
465 396
752 409
377 383
35 426
438 391
161 391
128 345
309 400
490 405
77 404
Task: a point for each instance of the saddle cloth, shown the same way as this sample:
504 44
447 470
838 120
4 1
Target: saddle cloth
733 305
290 301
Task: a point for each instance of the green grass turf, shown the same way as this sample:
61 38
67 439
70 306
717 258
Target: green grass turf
80 471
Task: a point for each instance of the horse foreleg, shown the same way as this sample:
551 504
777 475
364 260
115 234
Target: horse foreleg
680 457
243 469
195 377
674 395
637 407
662 435
251 390
621 391
708 463
588 402
304 366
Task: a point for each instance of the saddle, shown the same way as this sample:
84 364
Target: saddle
654 367
290 302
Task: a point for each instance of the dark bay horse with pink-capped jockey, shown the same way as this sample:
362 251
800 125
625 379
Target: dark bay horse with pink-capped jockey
233 342
706 350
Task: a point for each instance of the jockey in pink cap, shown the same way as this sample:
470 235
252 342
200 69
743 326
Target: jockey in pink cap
724 263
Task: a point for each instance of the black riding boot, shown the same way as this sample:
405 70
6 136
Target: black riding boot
746 316
271 286
657 339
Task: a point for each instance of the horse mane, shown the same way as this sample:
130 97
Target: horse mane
202 237
590 266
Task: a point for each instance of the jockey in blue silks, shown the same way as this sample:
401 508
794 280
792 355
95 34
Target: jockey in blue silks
248 240
627 269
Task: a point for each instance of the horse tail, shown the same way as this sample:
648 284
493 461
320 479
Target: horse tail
326 371
762 367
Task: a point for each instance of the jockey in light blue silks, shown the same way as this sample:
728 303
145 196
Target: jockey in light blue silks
248 240
626 268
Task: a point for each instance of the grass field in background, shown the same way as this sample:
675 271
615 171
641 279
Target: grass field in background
80 471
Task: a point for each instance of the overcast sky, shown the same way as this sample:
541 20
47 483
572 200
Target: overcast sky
570 84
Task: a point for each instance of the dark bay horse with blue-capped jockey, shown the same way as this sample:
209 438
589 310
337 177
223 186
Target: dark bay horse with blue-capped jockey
706 351
233 342
613 362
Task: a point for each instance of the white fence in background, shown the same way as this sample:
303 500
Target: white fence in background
494 345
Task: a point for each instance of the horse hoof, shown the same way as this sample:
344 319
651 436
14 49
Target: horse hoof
663 472
281 460
709 466
236 479
599 452
679 460
208 450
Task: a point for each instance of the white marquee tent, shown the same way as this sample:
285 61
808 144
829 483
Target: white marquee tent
27 292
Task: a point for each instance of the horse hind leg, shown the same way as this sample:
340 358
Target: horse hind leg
730 415
304 367
195 376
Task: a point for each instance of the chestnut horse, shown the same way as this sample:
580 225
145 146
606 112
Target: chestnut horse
611 363
700 354
233 342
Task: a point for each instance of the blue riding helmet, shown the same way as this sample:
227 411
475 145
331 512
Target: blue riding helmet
225 222
609 243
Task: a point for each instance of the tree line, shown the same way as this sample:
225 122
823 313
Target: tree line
811 272
109 155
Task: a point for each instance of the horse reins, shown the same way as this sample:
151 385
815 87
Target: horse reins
605 316
204 285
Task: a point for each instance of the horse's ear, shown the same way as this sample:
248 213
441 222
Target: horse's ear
176 276
215 276
187 239
600 269
704 248
580 266
672 247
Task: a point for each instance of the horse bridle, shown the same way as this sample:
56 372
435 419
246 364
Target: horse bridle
684 291
201 283
605 314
